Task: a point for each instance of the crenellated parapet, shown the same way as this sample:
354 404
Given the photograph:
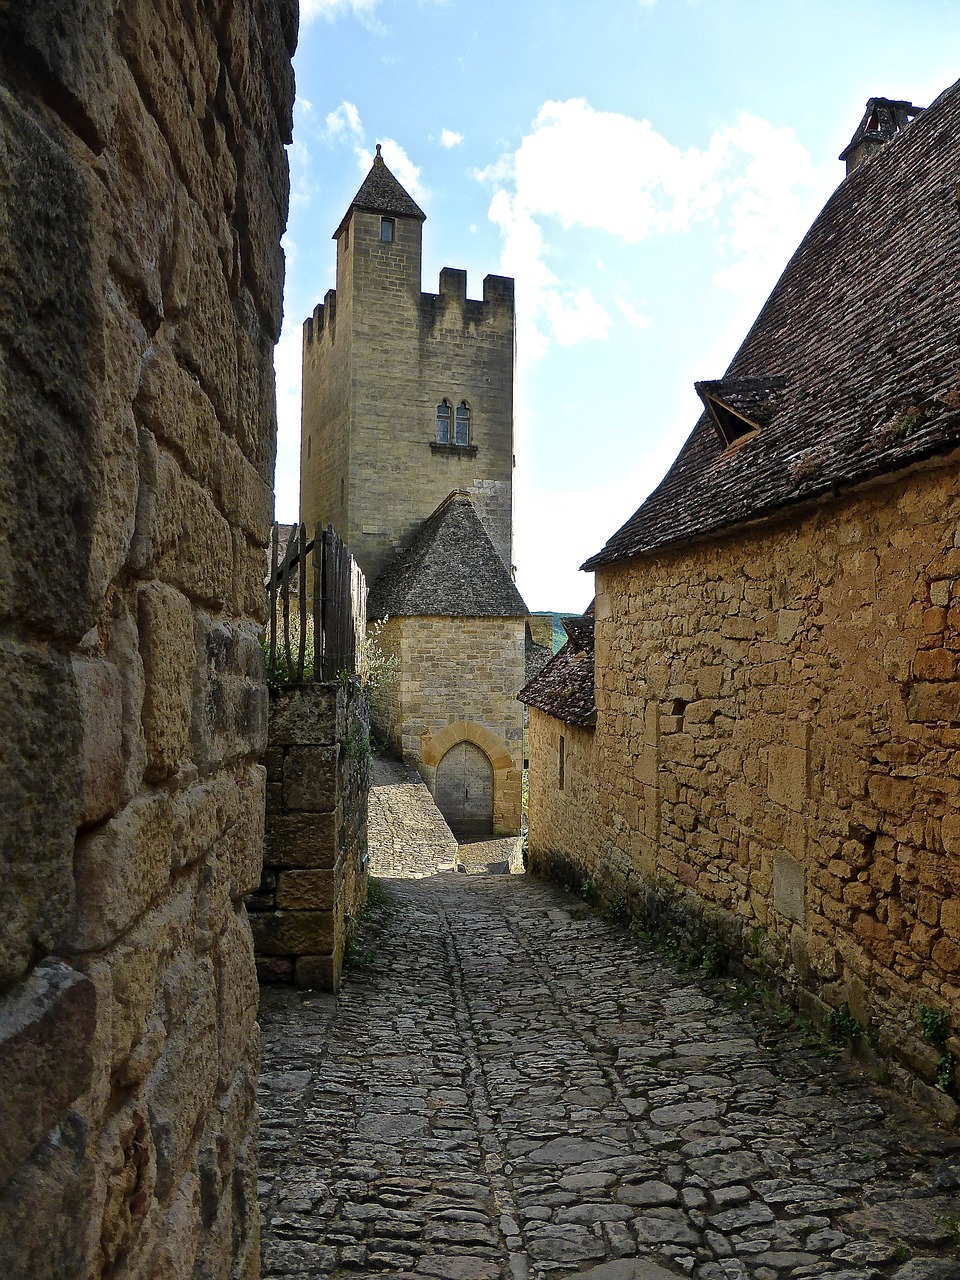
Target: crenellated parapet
495 309
323 319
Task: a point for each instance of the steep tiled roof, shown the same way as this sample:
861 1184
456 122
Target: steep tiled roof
450 569
564 688
862 327
382 193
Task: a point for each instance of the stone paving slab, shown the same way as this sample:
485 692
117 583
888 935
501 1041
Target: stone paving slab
511 1089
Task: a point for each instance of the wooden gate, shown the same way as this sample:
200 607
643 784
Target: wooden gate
464 791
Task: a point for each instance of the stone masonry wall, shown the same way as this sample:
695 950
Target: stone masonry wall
315 852
560 820
144 191
437 700
779 739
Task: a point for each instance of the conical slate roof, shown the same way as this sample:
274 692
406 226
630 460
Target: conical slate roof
382 193
451 569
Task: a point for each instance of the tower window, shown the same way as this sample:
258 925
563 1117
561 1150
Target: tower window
443 422
387 229
462 423
309 445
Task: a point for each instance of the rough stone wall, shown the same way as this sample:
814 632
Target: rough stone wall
143 197
437 699
778 740
315 851
378 357
561 819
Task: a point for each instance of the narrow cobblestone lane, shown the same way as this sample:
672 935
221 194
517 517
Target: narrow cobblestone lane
512 1088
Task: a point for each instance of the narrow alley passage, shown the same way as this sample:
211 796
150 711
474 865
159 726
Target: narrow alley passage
510 1087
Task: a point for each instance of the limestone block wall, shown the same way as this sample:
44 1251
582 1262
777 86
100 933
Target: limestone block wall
144 193
458 682
315 853
562 796
779 724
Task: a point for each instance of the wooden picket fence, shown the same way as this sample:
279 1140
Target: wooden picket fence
318 607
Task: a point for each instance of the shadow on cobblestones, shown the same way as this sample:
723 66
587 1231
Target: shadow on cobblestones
512 1088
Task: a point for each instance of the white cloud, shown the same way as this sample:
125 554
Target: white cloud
611 173
330 9
450 139
634 317
344 122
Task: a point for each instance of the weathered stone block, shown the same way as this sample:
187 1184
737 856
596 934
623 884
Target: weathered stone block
787 776
307 714
930 703
120 867
169 655
47 1026
236 978
72 41
128 1161
100 691
789 887
40 753
306 890
301 840
185 1079
310 780
293 933
935 664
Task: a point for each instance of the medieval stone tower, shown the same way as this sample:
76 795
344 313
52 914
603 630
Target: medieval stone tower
407 450
407 396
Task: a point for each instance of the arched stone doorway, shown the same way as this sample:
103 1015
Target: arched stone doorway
463 790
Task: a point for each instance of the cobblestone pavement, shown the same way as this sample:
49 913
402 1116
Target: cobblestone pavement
406 831
511 1088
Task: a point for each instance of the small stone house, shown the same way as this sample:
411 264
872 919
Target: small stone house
777 744
561 741
453 618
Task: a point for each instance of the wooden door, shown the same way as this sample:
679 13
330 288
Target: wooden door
464 791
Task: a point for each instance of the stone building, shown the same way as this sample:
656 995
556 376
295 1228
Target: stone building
407 444
454 620
561 740
144 193
777 747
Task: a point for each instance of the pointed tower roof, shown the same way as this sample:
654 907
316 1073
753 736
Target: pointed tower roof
451 569
382 193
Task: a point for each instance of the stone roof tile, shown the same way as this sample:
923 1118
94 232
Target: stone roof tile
450 569
382 193
862 327
564 688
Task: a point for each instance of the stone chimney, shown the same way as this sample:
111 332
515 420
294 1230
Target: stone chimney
883 119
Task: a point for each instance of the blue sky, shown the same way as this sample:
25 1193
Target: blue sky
644 170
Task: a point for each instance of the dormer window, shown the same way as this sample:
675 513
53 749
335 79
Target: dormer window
387 230
462 427
443 422
729 424
739 407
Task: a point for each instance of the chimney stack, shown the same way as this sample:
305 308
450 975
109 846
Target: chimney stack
883 119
